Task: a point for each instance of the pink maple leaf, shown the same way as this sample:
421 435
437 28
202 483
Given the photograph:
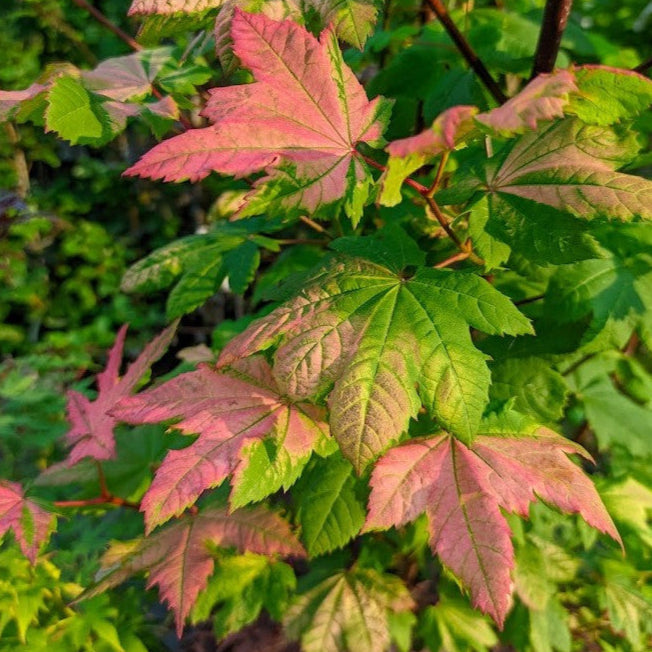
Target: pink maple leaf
179 560
167 7
462 490
11 100
91 434
228 409
446 131
29 522
544 98
299 121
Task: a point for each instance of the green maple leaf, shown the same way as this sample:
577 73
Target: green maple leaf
386 343
328 509
541 183
615 291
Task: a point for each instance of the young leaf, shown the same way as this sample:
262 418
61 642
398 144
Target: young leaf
328 509
462 489
348 611
91 434
308 105
544 98
352 20
30 523
377 336
179 560
228 409
409 154
75 113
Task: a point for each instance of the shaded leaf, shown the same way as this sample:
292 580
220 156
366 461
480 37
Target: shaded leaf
91 434
377 335
462 489
30 523
347 611
307 103
178 558
227 409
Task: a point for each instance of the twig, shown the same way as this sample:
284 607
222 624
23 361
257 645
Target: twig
643 67
467 51
555 17
420 188
314 225
101 18
464 247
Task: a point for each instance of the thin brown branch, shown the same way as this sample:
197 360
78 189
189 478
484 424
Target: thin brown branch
104 489
420 188
643 67
555 17
467 51
101 18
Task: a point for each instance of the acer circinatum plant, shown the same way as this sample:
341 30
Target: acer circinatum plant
442 352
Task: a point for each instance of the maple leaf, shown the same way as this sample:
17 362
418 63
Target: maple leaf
30 523
539 184
299 121
91 434
228 409
377 335
462 488
409 154
348 611
544 98
178 558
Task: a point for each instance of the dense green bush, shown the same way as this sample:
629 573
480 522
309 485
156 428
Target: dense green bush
422 302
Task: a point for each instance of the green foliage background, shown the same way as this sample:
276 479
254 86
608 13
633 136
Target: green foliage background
71 227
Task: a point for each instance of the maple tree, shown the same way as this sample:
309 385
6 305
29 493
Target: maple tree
447 334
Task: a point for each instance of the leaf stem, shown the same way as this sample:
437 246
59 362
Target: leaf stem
101 18
438 175
555 17
99 500
643 67
426 193
467 51
460 255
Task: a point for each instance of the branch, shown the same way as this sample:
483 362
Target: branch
643 67
555 17
100 500
464 247
467 51
101 18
